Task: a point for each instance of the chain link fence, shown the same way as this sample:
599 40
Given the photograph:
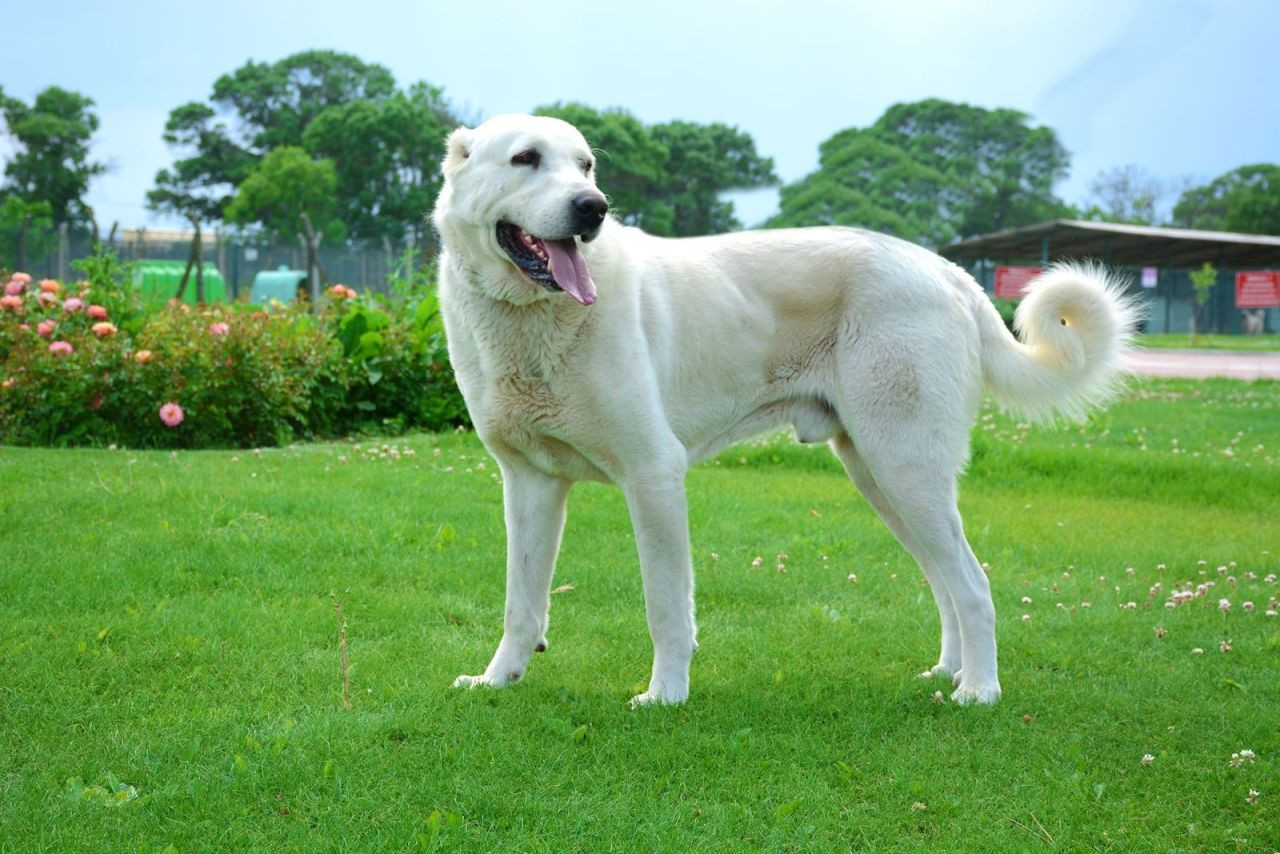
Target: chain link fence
50 254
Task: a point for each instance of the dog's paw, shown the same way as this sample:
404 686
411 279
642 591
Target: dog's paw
486 681
985 695
660 697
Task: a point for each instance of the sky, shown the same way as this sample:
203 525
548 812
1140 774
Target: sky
1184 89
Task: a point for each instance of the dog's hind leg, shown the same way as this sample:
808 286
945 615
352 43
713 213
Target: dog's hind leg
534 505
916 474
949 657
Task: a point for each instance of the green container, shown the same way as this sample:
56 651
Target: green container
156 282
279 285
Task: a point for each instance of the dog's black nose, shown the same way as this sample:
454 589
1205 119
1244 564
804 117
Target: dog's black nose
589 210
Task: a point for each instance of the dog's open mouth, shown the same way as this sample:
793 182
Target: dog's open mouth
554 264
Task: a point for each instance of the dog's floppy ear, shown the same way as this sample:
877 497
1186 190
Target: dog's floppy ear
456 150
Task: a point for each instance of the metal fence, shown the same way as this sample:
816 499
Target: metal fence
1169 305
361 266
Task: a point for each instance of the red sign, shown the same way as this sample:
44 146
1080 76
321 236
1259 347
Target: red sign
1012 281
1257 289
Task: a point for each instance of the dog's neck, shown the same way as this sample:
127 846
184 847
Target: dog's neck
527 339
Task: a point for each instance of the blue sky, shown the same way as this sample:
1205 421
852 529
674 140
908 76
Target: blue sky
1186 89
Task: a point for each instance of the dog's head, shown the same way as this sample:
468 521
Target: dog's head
519 194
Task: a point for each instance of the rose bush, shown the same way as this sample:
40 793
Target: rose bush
79 364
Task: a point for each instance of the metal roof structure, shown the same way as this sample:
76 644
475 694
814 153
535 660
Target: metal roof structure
1119 244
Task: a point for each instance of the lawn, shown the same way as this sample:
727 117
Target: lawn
1243 343
172 665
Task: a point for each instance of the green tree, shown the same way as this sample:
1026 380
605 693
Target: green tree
291 194
276 101
387 154
630 163
1202 282
937 169
667 178
1245 200
703 162
26 231
385 144
52 164
198 188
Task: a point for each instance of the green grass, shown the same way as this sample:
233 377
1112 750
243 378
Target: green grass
1267 342
169 651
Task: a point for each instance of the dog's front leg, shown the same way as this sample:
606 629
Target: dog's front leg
661 522
534 505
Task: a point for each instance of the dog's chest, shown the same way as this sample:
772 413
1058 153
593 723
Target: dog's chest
530 417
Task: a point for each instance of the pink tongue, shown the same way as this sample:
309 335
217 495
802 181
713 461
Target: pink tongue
569 269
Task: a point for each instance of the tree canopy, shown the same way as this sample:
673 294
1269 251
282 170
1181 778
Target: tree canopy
667 178
51 165
287 189
384 144
933 171
1245 200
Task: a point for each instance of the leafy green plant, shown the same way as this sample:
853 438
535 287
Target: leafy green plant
86 366
1202 282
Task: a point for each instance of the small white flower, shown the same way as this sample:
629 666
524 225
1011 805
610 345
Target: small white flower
1224 605
1197 651
853 578
1147 759
1026 600
1252 797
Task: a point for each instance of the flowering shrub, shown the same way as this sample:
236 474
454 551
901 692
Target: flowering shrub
80 365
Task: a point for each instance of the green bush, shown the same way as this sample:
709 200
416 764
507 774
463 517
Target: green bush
216 376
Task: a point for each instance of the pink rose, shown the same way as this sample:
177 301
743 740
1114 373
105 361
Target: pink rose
48 286
103 329
46 299
14 288
61 348
11 301
21 277
72 305
45 328
171 414
142 357
97 312
219 329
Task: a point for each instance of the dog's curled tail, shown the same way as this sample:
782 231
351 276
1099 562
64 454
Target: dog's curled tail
1075 325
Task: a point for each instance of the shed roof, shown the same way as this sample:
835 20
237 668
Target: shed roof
1120 244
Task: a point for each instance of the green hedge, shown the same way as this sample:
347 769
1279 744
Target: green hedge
82 364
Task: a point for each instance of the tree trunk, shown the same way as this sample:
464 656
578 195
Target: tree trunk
186 273
311 241
21 253
199 250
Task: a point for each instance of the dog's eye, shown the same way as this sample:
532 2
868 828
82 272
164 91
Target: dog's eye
527 158
586 167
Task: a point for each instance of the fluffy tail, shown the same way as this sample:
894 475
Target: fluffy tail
1075 325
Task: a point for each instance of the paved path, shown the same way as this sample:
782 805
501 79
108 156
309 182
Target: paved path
1205 363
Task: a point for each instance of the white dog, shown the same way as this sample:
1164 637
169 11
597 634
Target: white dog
588 350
